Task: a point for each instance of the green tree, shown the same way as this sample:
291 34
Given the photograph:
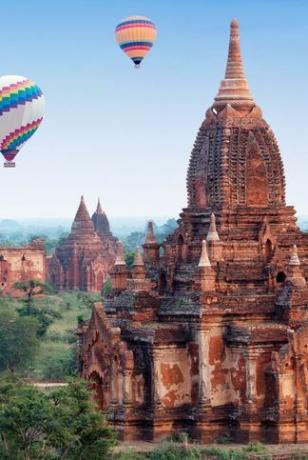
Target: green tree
47 426
45 315
18 340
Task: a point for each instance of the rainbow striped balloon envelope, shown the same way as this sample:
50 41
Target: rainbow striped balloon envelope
136 35
22 107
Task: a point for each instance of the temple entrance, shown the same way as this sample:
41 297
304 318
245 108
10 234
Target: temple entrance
102 395
268 249
281 277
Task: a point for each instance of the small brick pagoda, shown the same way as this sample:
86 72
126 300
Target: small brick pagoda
208 333
83 260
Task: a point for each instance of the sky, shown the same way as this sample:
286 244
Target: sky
126 135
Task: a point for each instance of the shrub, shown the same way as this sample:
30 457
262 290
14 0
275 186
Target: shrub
56 361
170 451
130 455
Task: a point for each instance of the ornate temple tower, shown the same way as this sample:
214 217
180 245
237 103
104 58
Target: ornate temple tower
83 260
208 333
235 168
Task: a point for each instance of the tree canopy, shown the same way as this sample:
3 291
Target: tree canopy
18 339
63 424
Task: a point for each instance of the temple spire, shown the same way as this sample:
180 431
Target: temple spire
99 209
82 213
138 260
234 88
204 258
120 258
150 236
212 233
234 67
100 221
294 259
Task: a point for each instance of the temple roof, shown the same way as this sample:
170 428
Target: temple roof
100 221
82 225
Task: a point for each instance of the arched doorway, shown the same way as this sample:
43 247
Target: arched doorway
102 392
281 277
268 249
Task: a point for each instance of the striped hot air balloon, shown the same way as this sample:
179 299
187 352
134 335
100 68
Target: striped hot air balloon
21 112
136 35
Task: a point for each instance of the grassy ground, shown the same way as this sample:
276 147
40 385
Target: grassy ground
176 451
56 359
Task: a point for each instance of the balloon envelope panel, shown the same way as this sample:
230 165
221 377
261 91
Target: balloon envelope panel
22 105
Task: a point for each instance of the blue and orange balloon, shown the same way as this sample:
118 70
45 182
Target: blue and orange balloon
136 35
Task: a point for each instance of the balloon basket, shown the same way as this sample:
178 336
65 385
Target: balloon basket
9 164
137 66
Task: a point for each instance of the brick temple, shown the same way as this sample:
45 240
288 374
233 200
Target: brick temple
19 264
83 260
208 333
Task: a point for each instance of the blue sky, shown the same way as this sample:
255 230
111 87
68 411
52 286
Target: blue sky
126 135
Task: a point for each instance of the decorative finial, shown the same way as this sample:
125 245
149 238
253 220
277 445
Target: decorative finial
99 209
150 236
204 258
294 259
234 87
138 260
120 259
82 212
212 233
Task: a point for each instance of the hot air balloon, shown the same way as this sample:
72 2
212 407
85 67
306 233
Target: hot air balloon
21 112
136 35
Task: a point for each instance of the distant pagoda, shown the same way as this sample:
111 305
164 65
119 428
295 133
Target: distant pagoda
83 260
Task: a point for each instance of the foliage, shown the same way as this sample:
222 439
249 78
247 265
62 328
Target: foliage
171 451
56 361
88 300
54 354
130 455
135 239
33 287
107 287
44 316
18 339
237 454
50 243
174 451
53 425
179 436
129 258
